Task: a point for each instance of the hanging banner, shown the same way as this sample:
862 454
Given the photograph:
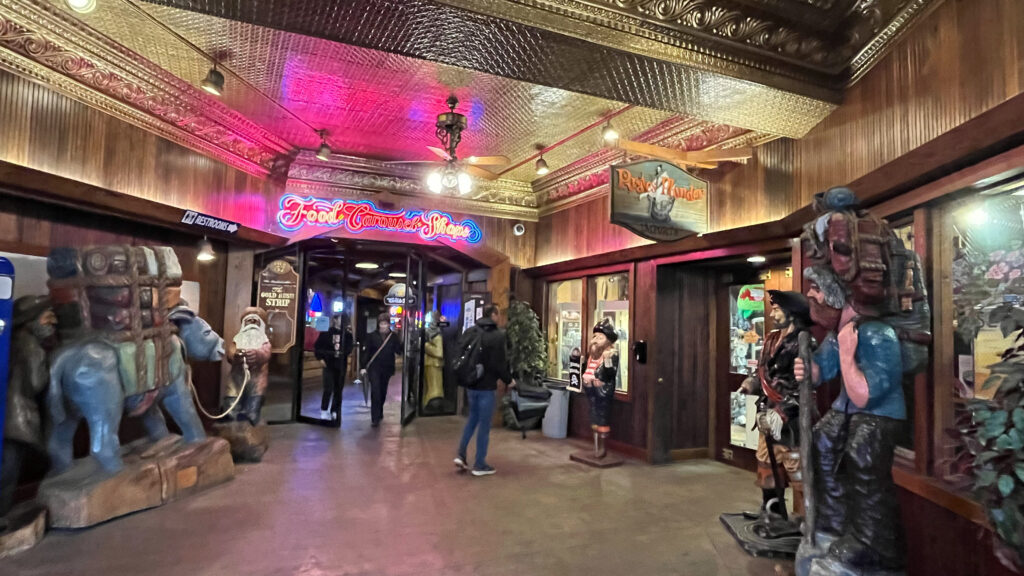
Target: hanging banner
658 200
279 295
359 215
575 377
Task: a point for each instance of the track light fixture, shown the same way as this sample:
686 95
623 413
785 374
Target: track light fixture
609 133
214 81
542 166
324 152
81 6
206 253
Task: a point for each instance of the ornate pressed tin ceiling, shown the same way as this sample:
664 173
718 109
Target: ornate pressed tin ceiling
687 74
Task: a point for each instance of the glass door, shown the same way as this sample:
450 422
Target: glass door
412 335
328 339
278 290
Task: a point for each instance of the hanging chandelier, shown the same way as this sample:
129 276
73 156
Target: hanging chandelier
449 178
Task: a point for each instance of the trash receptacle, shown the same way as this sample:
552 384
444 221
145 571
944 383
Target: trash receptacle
556 417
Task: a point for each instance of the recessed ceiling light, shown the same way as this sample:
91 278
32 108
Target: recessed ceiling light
396 275
367 265
82 6
756 259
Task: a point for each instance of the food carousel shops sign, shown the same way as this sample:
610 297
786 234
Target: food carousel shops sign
359 215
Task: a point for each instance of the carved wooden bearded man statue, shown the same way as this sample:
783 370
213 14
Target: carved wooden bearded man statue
599 379
249 351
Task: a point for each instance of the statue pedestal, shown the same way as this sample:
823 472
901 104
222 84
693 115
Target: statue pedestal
248 442
153 475
26 524
587 457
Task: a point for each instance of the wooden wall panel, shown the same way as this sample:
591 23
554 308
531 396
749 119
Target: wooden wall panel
580 231
961 60
48 131
498 235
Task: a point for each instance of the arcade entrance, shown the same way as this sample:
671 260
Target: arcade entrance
426 294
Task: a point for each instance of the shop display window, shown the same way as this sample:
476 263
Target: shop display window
904 230
746 337
564 325
609 298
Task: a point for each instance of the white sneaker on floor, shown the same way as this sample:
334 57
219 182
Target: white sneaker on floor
325 414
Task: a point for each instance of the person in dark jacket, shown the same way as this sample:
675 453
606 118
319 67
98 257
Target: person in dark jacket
380 350
332 349
482 394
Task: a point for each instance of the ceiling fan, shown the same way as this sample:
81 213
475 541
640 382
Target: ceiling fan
700 158
453 173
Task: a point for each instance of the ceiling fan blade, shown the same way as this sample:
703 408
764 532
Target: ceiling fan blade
440 153
479 173
404 162
704 159
488 160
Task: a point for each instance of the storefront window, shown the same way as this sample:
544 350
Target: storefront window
609 297
746 336
988 280
564 325
988 274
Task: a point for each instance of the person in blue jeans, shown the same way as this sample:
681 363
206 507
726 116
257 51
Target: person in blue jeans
481 395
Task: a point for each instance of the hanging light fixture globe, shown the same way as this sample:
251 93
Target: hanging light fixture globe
434 181
465 183
214 82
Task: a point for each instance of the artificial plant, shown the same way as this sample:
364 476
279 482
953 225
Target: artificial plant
993 434
527 351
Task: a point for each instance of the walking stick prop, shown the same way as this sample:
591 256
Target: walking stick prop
806 411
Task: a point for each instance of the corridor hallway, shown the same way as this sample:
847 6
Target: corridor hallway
382 502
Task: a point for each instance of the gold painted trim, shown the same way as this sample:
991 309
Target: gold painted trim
44 44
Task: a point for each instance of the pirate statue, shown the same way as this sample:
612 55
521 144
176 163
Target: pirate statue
778 457
865 291
34 325
599 378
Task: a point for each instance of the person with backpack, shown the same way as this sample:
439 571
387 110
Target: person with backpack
381 347
332 349
481 363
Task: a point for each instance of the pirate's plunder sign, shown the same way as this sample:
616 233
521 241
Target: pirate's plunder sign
658 200
359 215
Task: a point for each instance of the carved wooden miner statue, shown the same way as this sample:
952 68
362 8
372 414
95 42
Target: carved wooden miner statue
865 290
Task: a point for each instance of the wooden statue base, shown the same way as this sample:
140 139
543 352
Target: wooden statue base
248 442
153 475
24 527
587 457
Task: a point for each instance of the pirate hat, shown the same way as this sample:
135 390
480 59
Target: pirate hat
605 327
794 304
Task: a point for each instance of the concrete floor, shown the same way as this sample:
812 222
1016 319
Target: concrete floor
388 502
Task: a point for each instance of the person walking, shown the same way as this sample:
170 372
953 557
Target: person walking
481 392
332 349
381 347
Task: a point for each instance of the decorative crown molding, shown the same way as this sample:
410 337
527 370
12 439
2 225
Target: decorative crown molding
41 42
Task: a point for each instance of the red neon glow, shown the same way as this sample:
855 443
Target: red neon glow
359 215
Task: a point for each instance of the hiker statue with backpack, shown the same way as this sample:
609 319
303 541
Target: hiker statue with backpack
865 290
481 362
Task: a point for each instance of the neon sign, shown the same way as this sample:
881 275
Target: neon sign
359 215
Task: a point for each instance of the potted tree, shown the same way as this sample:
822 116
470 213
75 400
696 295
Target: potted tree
527 356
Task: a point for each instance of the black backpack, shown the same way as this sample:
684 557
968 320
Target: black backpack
468 366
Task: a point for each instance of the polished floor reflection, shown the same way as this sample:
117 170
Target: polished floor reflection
363 501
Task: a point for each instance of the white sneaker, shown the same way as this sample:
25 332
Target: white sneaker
325 414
